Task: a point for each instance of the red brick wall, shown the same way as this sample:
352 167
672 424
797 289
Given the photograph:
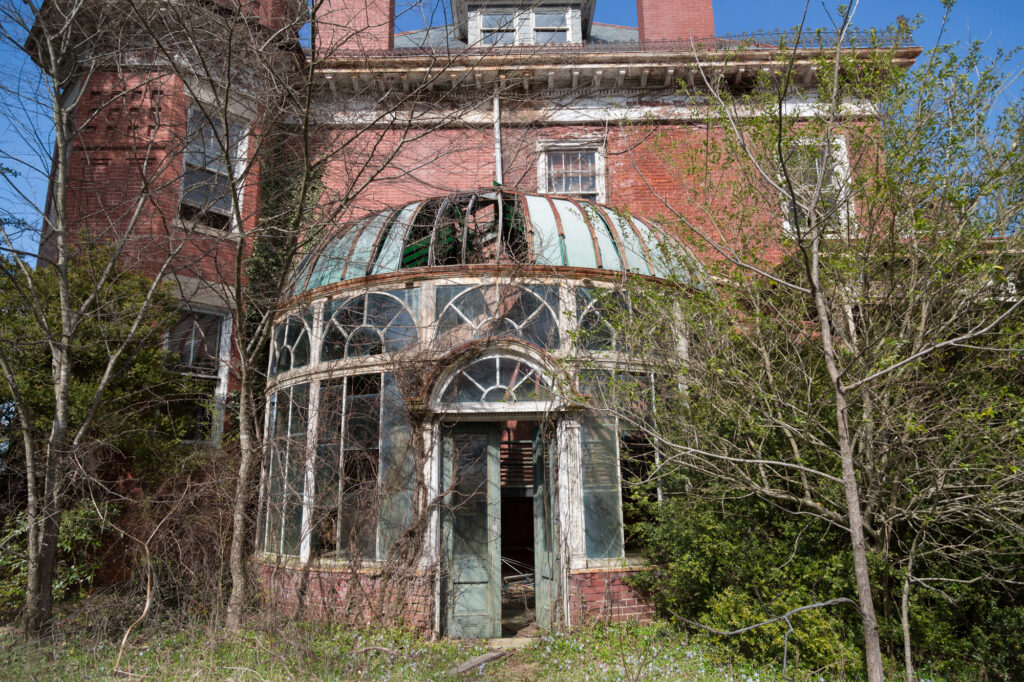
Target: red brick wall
345 596
356 25
605 595
675 19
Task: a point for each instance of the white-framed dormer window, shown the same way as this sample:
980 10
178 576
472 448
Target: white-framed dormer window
572 168
550 27
198 348
498 28
808 160
541 26
212 145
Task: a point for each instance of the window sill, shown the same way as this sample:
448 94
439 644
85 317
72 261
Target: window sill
198 228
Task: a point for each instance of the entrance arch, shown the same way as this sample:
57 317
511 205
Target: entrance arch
490 410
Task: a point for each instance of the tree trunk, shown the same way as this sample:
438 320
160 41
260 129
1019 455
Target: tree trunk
239 516
858 546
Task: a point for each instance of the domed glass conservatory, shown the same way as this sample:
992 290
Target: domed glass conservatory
414 424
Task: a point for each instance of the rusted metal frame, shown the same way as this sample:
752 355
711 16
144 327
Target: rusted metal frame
431 251
378 243
593 233
531 253
355 240
465 226
620 245
561 232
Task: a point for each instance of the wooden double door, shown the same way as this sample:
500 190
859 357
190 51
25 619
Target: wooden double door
471 530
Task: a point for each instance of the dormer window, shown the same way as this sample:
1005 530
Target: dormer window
550 27
542 25
498 29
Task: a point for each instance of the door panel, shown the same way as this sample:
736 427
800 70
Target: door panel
472 530
545 556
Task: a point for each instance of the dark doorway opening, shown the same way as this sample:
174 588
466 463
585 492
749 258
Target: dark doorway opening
518 579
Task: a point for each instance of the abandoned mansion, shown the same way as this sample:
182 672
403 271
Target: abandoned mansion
470 196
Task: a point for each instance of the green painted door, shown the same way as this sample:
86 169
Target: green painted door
546 564
472 531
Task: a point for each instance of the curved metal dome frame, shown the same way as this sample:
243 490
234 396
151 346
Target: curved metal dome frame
497 226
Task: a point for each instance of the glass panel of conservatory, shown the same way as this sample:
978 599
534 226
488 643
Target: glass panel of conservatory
369 324
296 469
397 468
593 309
497 379
547 244
609 251
579 244
291 344
631 243
659 257
529 313
328 469
360 461
362 256
390 257
602 517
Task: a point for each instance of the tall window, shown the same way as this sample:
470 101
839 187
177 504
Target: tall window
550 27
211 148
195 343
364 469
807 166
498 29
573 172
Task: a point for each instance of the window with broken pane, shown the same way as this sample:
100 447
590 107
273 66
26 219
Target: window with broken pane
212 147
602 513
528 312
370 324
194 344
286 467
497 379
573 172
365 468
598 310
291 345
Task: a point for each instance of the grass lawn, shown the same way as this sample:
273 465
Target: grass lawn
323 652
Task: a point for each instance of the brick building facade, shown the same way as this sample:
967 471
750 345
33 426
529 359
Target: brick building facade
545 109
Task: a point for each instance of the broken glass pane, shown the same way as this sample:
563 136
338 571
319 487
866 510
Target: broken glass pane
369 324
497 379
529 313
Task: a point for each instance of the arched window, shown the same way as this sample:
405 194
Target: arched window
497 379
369 324
291 344
529 313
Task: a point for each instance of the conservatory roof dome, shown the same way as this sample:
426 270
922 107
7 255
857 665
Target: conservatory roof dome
493 226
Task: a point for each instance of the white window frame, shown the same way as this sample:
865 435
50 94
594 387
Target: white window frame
840 182
595 145
516 17
566 25
523 22
235 117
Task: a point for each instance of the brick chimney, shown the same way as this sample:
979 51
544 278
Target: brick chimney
355 26
675 19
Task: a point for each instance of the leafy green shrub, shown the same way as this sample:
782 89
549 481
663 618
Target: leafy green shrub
77 559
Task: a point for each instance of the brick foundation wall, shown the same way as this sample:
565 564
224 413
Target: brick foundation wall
340 595
605 595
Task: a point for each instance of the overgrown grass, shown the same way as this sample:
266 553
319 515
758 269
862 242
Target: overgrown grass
327 652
